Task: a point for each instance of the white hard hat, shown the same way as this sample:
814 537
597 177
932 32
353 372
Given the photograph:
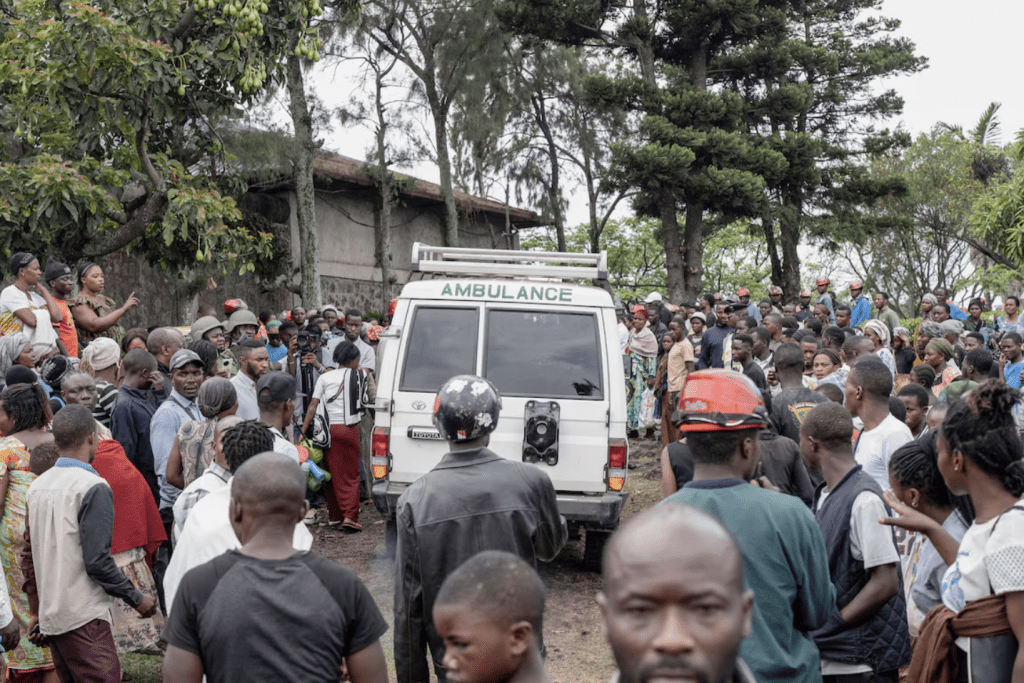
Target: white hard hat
653 296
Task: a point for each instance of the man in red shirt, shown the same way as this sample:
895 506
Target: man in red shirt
62 283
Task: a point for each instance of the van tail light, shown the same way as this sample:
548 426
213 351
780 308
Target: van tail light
380 460
616 469
392 305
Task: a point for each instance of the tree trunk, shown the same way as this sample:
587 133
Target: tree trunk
789 235
675 278
693 252
554 186
693 232
305 198
382 243
450 228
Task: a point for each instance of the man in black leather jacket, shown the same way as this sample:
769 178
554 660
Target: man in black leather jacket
473 500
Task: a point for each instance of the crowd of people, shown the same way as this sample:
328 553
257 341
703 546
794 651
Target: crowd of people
848 488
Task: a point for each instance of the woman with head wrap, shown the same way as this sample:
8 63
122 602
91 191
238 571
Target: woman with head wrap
96 315
902 350
15 350
643 354
878 333
102 360
19 302
192 451
937 354
53 371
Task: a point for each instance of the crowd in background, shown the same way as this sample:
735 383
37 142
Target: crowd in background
849 489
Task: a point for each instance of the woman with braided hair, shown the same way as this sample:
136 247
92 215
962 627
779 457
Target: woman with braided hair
979 454
916 482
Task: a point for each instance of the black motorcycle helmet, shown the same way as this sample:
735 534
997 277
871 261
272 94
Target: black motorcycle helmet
467 408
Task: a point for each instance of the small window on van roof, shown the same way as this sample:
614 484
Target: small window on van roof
441 344
544 355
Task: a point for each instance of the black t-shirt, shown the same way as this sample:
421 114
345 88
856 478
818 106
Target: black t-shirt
681 461
790 406
273 620
756 375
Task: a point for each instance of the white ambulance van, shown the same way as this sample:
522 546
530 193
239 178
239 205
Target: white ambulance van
550 347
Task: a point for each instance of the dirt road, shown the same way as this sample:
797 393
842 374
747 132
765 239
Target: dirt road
577 651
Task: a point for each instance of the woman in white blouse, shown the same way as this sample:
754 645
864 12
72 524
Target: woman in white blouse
347 392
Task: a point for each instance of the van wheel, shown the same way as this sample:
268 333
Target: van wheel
390 538
593 548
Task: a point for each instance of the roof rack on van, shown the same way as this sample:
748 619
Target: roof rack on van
544 264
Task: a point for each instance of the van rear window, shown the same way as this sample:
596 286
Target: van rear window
442 344
543 355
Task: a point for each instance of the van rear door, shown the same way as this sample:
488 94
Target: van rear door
443 340
552 355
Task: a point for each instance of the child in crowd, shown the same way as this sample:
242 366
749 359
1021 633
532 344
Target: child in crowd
489 613
916 482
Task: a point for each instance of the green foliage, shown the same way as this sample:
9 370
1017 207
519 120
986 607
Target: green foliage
636 256
109 122
998 218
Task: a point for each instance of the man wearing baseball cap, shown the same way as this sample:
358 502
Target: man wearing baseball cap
860 307
785 564
825 299
186 372
664 314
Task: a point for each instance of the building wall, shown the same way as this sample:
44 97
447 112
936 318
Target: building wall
162 301
349 277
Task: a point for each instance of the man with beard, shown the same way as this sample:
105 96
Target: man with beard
805 310
353 326
674 584
253 363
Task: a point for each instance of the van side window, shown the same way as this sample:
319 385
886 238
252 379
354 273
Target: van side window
544 355
442 344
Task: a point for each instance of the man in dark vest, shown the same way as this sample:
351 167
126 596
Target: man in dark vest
867 639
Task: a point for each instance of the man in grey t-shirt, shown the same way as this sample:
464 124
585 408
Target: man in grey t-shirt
321 615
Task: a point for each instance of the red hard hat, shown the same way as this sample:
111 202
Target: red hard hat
856 284
804 292
719 400
232 305
775 290
743 291
823 281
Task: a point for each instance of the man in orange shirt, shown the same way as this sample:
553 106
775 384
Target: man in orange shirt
62 283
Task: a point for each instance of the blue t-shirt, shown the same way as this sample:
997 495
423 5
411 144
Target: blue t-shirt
1011 373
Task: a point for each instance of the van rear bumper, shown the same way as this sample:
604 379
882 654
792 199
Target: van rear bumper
601 509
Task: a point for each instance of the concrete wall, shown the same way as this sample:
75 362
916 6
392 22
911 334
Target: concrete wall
349 275
162 301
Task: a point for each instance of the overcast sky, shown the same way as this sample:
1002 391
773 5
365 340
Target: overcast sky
974 58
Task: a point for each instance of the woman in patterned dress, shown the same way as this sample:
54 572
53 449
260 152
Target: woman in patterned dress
24 417
97 315
643 355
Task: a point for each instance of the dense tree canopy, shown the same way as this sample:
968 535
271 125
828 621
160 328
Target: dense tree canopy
110 114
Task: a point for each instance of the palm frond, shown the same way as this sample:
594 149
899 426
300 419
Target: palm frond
986 131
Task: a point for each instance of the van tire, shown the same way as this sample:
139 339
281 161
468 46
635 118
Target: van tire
390 538
593 548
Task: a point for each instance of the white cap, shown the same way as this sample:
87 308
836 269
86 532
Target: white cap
653 296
